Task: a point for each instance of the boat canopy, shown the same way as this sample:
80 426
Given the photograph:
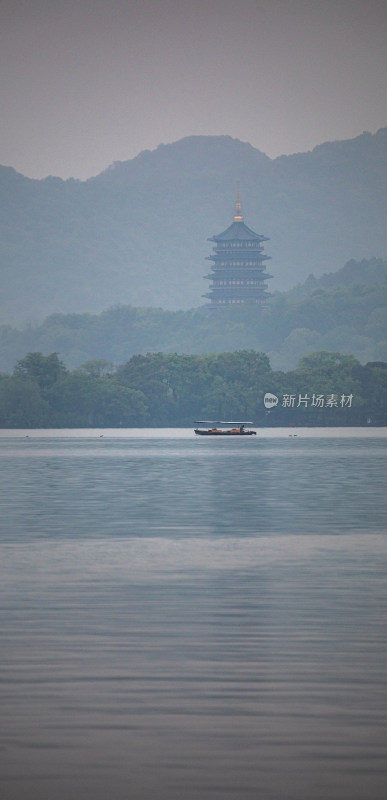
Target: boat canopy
220 422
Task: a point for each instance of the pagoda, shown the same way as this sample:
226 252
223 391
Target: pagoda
238 270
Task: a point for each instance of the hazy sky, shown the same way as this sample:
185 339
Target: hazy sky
88 82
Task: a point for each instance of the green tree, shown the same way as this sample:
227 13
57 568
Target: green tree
83 400
22 405
327 373
97 367
148 374
372 378
119 406
44 370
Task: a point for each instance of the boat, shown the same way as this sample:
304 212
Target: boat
226 429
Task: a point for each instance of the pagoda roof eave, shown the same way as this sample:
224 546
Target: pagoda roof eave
237 230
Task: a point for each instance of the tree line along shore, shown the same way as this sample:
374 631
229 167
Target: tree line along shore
171 390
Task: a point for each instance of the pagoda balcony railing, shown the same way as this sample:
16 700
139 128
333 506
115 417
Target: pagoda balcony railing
251 292
238 244
222 267
255 280
233 289
230 275
243 258
237 271
223 301
240 251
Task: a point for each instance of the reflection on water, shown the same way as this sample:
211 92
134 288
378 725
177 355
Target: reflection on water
194 619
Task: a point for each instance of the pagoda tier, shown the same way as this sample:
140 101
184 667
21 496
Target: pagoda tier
238 270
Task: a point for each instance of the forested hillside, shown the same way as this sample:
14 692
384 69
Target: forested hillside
344 311
137 233
159 390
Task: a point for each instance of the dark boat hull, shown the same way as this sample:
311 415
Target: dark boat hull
200 432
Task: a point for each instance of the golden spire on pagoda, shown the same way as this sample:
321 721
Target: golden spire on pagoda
238 207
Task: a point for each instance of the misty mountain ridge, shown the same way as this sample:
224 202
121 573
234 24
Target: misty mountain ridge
137 233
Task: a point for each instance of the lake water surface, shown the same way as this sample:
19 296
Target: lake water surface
185 618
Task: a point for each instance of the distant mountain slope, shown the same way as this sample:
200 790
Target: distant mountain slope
137 233
350 318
